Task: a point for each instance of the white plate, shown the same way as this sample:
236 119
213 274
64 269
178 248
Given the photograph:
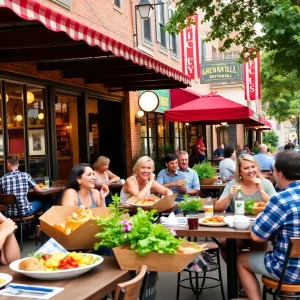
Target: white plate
212 224
8 278
56 275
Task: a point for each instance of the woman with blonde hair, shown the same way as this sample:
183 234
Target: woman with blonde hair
102 174
142 181
253 185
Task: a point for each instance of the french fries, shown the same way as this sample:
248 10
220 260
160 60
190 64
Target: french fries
146 201
214 219
79 217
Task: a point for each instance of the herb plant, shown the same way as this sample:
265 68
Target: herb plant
205 170
138 231
192 204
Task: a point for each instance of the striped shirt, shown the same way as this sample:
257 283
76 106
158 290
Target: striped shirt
164 177
18 183
227 168
281 220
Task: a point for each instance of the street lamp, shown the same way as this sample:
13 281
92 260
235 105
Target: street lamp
145 10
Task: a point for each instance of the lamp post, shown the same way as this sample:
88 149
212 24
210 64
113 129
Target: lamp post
145 10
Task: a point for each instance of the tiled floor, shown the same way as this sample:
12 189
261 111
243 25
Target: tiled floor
166 285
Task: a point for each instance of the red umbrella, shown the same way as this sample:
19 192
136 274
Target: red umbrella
212 109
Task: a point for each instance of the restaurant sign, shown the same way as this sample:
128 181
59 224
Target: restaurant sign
217 71
164 100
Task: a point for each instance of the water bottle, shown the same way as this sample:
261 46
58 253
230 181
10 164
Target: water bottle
239 203
208 207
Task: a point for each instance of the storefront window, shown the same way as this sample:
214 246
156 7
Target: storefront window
93 129
179 136
152 135
36 131
1 137
15 120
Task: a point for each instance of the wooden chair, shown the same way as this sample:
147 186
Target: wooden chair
130 290
10 199
278 288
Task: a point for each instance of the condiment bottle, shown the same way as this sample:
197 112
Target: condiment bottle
239 203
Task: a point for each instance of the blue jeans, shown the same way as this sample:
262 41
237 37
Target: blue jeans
201 158
38 205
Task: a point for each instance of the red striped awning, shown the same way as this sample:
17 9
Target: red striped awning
55 21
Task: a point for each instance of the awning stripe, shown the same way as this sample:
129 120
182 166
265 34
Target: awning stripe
55 21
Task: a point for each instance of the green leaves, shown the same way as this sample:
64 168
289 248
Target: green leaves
137 231
193 204
205 170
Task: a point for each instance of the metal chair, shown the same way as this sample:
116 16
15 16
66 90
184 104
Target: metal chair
10 199
278 288
130 290
213 250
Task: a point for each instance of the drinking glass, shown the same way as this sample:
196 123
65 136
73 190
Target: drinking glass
193 221
46 181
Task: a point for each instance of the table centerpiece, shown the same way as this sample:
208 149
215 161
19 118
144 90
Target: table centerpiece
136 241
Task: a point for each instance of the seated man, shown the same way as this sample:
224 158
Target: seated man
171 177
19 183
265 161
279 221
219 152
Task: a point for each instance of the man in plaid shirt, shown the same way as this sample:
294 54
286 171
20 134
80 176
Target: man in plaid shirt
19 183
280 220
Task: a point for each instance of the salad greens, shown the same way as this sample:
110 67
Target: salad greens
137 231
249 206
190 204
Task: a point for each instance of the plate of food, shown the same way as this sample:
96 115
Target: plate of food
56 266
5 279
144 202
42 186
215 221
254 207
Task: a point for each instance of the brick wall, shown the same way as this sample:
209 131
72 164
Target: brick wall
240 134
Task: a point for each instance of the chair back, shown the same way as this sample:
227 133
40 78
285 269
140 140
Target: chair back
130 290
293 251
9 199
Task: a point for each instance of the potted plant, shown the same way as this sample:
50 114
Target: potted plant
206 172
137 241
190 205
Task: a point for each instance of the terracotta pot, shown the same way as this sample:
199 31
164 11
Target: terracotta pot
207 181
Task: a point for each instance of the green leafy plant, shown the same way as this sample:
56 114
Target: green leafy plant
249 206
190 204
205 170
138 231
271 138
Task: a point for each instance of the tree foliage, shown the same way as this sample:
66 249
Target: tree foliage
280 90
270 138
233 23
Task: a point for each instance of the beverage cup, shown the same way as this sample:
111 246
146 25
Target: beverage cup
208 210
46 181
224 179
193 221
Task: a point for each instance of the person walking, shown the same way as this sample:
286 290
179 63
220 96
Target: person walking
200 149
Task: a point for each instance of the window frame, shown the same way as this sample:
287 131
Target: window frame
118 3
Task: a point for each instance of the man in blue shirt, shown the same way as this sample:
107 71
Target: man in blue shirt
219 152
192 187
265 161
279 221
171 177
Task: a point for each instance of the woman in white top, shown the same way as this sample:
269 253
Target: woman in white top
142 181
102 174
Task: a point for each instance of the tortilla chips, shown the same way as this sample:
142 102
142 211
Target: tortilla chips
79 217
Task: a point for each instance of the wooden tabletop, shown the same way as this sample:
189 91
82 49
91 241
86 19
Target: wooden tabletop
133 209
48 191
213 186
216 232
3 207
95 284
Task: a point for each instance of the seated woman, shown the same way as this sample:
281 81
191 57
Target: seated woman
142 181
227 165
80 189
103 175
9 247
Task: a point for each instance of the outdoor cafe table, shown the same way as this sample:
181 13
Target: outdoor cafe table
95 284
216 188
231 236
53 192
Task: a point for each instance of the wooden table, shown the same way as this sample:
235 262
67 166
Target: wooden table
231 236
95 284
49 191
3 207
215 188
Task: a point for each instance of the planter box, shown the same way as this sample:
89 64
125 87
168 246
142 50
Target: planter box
129 260
207 181
81 238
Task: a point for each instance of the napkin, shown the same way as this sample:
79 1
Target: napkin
229 220
171 220
51 246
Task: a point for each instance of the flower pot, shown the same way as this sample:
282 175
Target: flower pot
129 260
207 181
190 212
